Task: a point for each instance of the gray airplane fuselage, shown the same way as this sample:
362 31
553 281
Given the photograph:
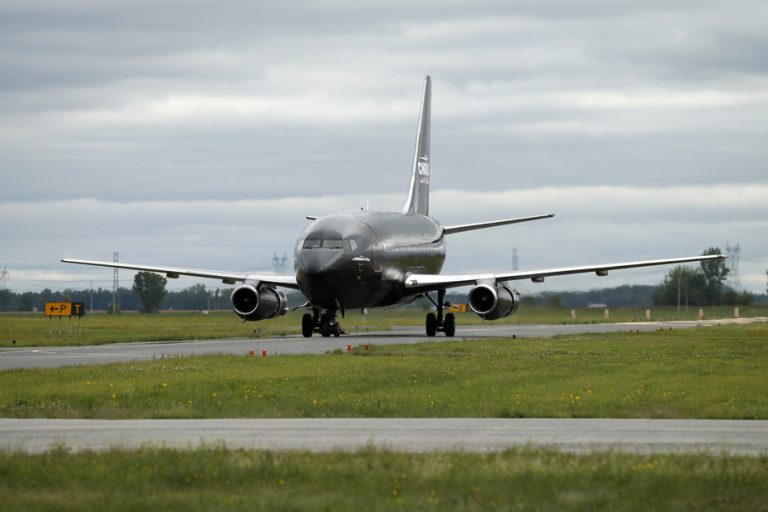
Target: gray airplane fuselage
360 259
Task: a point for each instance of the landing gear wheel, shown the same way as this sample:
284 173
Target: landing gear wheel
337 329
307 325
431 324
449 326
325 329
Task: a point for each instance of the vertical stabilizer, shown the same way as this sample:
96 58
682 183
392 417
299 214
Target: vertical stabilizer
418 192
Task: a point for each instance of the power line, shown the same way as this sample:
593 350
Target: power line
4 275
734 253
279 264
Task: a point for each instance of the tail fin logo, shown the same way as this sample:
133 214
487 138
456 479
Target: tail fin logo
423 166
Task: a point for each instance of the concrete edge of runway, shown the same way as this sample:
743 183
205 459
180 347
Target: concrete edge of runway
409 435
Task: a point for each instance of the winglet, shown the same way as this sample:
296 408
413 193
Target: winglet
417 200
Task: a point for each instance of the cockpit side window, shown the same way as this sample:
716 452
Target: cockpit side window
350 244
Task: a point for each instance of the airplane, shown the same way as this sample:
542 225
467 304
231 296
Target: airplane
366 259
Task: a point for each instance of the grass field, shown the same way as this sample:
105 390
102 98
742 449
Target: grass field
706 372
219 479
33 329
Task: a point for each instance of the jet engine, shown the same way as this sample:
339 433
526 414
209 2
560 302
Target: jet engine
251 303
493 302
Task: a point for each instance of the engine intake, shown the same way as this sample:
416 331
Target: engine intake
493 302
251 303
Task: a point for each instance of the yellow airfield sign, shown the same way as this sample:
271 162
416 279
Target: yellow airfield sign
64 309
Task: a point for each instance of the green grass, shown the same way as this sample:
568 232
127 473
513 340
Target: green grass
33 329
218 479
707 372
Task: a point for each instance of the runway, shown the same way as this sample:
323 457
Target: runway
402 435
51 357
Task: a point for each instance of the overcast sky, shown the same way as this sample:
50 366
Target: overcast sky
201 133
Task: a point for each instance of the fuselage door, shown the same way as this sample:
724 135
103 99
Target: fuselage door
366 261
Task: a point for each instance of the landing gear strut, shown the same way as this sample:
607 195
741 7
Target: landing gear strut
435 322
324 323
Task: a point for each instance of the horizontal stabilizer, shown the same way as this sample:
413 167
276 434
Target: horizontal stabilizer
482 225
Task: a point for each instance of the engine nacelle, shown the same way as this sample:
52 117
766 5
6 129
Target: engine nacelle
251 303
493 302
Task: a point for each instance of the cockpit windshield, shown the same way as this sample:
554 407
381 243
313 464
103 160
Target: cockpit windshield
333 243
329 243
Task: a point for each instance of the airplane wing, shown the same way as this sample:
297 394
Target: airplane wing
175 272
428 282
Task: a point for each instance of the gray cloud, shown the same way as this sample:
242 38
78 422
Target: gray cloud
210 110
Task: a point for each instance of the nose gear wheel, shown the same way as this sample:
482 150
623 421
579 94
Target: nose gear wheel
324 323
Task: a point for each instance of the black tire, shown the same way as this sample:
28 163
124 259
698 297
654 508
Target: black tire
431 324
449 325
307 325
325 329
337 329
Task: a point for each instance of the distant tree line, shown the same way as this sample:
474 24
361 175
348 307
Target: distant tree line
702 286
195 297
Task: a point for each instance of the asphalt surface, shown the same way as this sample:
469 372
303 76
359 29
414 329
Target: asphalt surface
402 435
50 357
407 435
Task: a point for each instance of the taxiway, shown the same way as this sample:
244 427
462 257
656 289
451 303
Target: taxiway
51 357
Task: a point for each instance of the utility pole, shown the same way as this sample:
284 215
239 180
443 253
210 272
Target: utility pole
515 262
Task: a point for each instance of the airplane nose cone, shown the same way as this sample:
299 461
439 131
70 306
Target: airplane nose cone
319 274
317 262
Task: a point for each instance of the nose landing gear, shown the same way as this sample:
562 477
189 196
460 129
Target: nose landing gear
436 322
324 323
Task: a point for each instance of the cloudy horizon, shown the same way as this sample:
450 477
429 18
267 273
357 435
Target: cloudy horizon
200 135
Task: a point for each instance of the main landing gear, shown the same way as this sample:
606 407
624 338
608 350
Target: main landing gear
324 323
435 322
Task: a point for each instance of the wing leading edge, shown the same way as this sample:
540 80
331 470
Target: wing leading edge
175 272
428 282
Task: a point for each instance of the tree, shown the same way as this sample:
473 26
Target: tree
150 288
734 298
701 287
6 299
194 297
681 286
714 272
